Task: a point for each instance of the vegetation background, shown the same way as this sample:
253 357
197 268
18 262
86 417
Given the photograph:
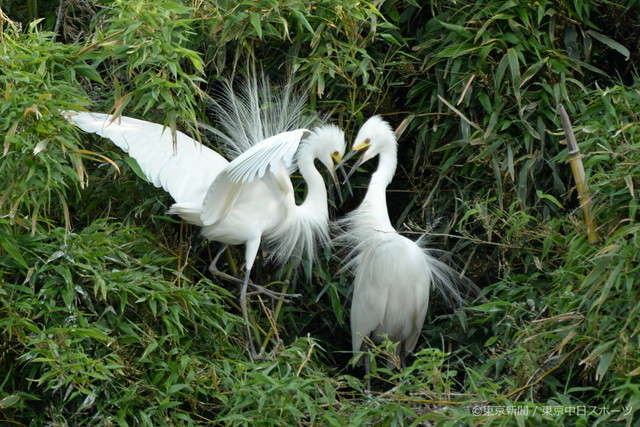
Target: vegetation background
107 313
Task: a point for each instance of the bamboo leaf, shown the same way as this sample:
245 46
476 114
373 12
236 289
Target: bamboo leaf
135 167
603 366
514 66
255 22
9 401
11 246
459 113
610 43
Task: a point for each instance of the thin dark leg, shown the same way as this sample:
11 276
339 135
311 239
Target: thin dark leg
367 371
245 315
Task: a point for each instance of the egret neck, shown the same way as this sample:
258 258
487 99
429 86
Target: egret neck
375 201
316 197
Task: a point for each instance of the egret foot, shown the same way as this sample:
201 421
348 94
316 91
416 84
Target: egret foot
280 296
224 275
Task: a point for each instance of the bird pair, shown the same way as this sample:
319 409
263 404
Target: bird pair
250 199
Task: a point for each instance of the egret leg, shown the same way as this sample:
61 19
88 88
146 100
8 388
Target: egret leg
367 371
215 258
245 315
213 268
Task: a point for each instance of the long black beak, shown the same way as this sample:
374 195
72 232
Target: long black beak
346 176
336 181
337 162
355 166
346 157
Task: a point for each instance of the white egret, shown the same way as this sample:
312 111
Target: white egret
393 274
251 198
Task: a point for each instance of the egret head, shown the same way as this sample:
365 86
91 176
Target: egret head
326 143
374 137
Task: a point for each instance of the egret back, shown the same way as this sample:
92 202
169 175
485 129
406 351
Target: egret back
185 169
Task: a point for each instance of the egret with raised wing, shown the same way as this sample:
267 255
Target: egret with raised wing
251 198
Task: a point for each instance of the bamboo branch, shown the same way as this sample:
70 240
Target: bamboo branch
577 168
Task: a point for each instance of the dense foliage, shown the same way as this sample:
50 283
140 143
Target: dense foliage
108 315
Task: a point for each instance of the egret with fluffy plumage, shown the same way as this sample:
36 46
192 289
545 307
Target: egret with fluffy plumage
393 274
251 198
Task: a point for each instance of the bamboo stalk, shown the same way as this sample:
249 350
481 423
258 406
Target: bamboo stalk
577 168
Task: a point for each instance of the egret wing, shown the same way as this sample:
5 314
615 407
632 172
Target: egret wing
186 169
220 198
224 192
272 157
266 155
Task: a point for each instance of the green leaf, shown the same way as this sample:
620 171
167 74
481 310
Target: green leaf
458 29
177 387
610 43
336 303
9 401
499 74
532 71
89 72
10 245
150 349
549 197
492 340
390 38
491 307
514 65
255 22
135 167
603 366
175 7
301 18
91 333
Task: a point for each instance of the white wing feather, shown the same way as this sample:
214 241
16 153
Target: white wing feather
185 170
266 155
220 198
274 155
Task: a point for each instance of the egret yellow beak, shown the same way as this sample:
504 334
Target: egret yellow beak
362 146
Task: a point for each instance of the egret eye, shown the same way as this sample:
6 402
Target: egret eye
335 153
367 141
